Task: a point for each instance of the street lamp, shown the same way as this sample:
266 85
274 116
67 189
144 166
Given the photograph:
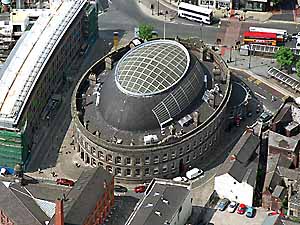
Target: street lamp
230 54
249 64
201 27
166 13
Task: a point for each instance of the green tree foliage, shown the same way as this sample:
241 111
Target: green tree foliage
298 68
276 2
145 31
284 57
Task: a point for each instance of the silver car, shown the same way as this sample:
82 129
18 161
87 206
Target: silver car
232 207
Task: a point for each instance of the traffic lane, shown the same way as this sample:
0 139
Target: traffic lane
129 193
291 28
262 92
126 15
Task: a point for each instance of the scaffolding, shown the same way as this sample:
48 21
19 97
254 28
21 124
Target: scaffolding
13 149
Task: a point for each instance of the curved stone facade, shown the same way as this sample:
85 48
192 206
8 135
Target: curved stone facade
141 163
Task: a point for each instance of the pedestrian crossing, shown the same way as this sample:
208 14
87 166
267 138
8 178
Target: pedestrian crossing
232 33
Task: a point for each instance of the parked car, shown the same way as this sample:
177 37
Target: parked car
232 206
194 173
180 179
241 209
265 117
119 188
140 189
223 204
64 181
250 212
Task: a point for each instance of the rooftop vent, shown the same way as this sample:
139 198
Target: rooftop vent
132 142
158 213
150 139
119 141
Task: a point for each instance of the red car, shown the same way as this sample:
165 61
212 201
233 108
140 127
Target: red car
63 181
140 189
241 209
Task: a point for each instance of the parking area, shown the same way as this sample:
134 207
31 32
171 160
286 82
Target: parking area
226 218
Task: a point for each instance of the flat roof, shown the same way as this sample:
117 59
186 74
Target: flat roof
23 71
159 204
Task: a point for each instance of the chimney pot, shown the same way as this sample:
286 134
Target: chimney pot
59 212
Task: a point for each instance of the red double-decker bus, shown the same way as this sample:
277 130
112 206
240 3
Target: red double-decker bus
260 38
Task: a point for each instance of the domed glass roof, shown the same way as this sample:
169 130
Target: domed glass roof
152 67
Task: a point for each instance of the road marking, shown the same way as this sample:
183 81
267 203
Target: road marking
257 82
191 24
250 79
259 95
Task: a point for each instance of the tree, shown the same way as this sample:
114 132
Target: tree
145 31
298 68
284 57
276 2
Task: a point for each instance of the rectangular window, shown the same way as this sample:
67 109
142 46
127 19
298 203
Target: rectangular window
137 172
155 171
100 155
165 168
147 160
128 172
194 155
187 159
173 155
128 161
156 159
147 171
173 166
188 148
180 151
137 161
165 157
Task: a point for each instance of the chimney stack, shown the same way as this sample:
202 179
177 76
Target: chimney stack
59 212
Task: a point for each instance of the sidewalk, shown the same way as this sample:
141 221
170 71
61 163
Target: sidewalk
250 16
258 69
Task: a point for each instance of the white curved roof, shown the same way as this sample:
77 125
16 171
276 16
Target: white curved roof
24 69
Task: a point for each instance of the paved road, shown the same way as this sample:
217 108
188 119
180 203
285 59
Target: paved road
262 92
125 15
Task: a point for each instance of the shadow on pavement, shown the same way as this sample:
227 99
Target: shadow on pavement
201 215
55 129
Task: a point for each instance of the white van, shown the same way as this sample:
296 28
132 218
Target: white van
194 173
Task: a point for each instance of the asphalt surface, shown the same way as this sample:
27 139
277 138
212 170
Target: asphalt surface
124 16
262 92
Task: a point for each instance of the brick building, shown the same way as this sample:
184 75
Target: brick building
90 200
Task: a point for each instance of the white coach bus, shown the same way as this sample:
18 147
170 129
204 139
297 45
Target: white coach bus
280 32
195 13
